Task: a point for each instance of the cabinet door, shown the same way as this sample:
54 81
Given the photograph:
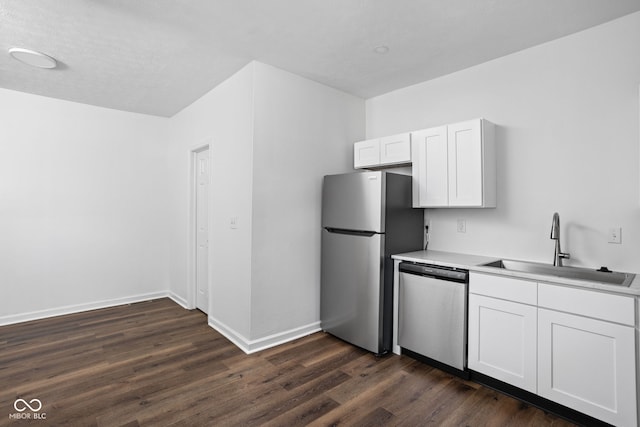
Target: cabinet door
588 365
502 340
366 153
465 163
429 157
395 149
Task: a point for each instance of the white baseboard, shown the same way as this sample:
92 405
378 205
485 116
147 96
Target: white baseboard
178 300
245 344
70 309
253 346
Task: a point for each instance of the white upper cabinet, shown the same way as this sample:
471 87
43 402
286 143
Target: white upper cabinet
386 151
454 165
429 168
395 149
366 153
465 145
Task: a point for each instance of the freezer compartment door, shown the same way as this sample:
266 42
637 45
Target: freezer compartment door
432 318
351 296
354 201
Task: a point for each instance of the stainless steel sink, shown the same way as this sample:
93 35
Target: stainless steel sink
577 273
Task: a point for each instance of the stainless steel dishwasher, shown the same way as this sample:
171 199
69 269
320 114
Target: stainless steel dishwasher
432 314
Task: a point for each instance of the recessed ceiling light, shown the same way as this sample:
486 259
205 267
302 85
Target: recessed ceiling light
33 58
381 49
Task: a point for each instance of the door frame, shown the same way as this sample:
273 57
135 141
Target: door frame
192 292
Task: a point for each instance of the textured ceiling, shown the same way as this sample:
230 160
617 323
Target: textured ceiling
158 56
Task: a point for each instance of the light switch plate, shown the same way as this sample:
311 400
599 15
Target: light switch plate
615 235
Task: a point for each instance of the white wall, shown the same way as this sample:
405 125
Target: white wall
224 119
96 202
302 131
274 135
82 206
567 141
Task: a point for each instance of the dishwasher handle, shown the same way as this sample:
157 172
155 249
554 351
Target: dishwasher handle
435 271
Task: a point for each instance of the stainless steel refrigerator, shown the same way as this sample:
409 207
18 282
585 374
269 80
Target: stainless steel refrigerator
366 217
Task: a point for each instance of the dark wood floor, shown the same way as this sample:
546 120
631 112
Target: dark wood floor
156 364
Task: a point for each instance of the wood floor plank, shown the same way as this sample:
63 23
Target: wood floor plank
306 412
366 372
370 364
156 364
304 350
291 380
358 407
265 411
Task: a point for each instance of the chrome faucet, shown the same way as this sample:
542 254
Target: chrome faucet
555 235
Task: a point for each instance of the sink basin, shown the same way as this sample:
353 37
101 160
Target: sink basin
577 273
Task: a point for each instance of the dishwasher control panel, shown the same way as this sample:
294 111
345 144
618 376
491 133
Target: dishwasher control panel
436 271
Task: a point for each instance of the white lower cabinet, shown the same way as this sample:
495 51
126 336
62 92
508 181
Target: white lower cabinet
588 365
575 347
502 340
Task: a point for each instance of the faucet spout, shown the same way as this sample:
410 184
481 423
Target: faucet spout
555 227
558 255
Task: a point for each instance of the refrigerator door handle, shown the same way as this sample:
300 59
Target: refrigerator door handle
351 232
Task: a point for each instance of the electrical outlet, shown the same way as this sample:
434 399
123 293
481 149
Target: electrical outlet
233 222
462 226
615 235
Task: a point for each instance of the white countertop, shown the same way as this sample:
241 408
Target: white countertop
448 259
475 263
